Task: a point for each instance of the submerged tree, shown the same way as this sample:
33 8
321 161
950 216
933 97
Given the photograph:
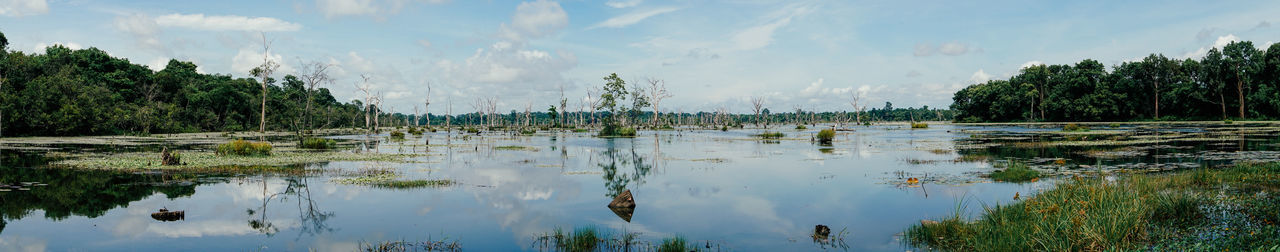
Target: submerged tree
757 103
615 89
314 73
657 92
264 72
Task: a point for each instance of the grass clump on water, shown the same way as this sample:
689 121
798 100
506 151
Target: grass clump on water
590 238
244 148
771 135
1015 172
1207 210
919 125
515 148
674 244
801 127
1072 127
397 135
318 143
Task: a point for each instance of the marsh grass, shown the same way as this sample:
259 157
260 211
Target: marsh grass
920 125
1145 211
397 135
1072 127
444 244
801 127
318 143
591 238
207 161
515 148
1015 172
771 135
244 148
415 183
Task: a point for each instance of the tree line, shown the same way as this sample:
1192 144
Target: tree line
1237 81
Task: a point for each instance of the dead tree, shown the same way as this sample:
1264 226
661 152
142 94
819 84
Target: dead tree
368 98
263 72
856 101
564 103
757 103
426 105
657 92
314 73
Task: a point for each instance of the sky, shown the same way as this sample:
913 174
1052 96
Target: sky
812 55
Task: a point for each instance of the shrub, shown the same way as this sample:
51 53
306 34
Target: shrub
1074 127
1015 172
825 136
527 131
920 125
244 148
318 143
767 134
801 127
473 130
627 132
397 135
1228 121
724 128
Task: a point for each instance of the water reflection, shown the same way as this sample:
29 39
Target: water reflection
616 181
312 219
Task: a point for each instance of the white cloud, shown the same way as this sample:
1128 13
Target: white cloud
158 64
225 23
757 37
335 8
247 59
1031 64
632 18
623 3
424 43
376 8
980 77
534 20
20 8
69 45
505 65
1219 43
953 48
949 48
144 30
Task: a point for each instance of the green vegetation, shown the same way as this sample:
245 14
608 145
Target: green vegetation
207 161
1015 172
515 148
1073 127
1203 210
675 244
771 135
1237 80
244 148
318 143
801 127
445 244
919 125
826 136
590 238
397 135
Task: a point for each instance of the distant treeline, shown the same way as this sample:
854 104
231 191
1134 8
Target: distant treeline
64 92
89 92
1238 81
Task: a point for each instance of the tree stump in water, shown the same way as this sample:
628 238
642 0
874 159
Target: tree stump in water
623 200
167 158
166 215
821 232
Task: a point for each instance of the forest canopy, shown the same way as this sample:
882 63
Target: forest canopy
1237 81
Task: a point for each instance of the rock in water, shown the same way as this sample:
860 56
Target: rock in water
623 200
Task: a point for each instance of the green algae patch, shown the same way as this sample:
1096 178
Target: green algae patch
202 160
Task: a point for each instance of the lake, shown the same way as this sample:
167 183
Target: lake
722 190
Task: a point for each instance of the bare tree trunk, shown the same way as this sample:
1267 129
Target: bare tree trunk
1240 91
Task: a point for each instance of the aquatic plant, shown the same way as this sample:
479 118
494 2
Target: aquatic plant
826 136
674 244
444 244
801 127
318 143
1074 127
1015 172
244 148
397 135
527 131
919 125
415 183
473 131
1139 212
515 147
771 135
207 161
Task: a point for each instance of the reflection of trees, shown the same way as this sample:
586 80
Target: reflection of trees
313 220
85 193
616 181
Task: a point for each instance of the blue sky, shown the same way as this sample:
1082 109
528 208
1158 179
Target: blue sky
711 54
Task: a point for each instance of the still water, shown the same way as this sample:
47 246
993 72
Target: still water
725 189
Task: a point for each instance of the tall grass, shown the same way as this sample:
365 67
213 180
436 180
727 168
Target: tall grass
1015 172
318 143
1097 214
244 148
